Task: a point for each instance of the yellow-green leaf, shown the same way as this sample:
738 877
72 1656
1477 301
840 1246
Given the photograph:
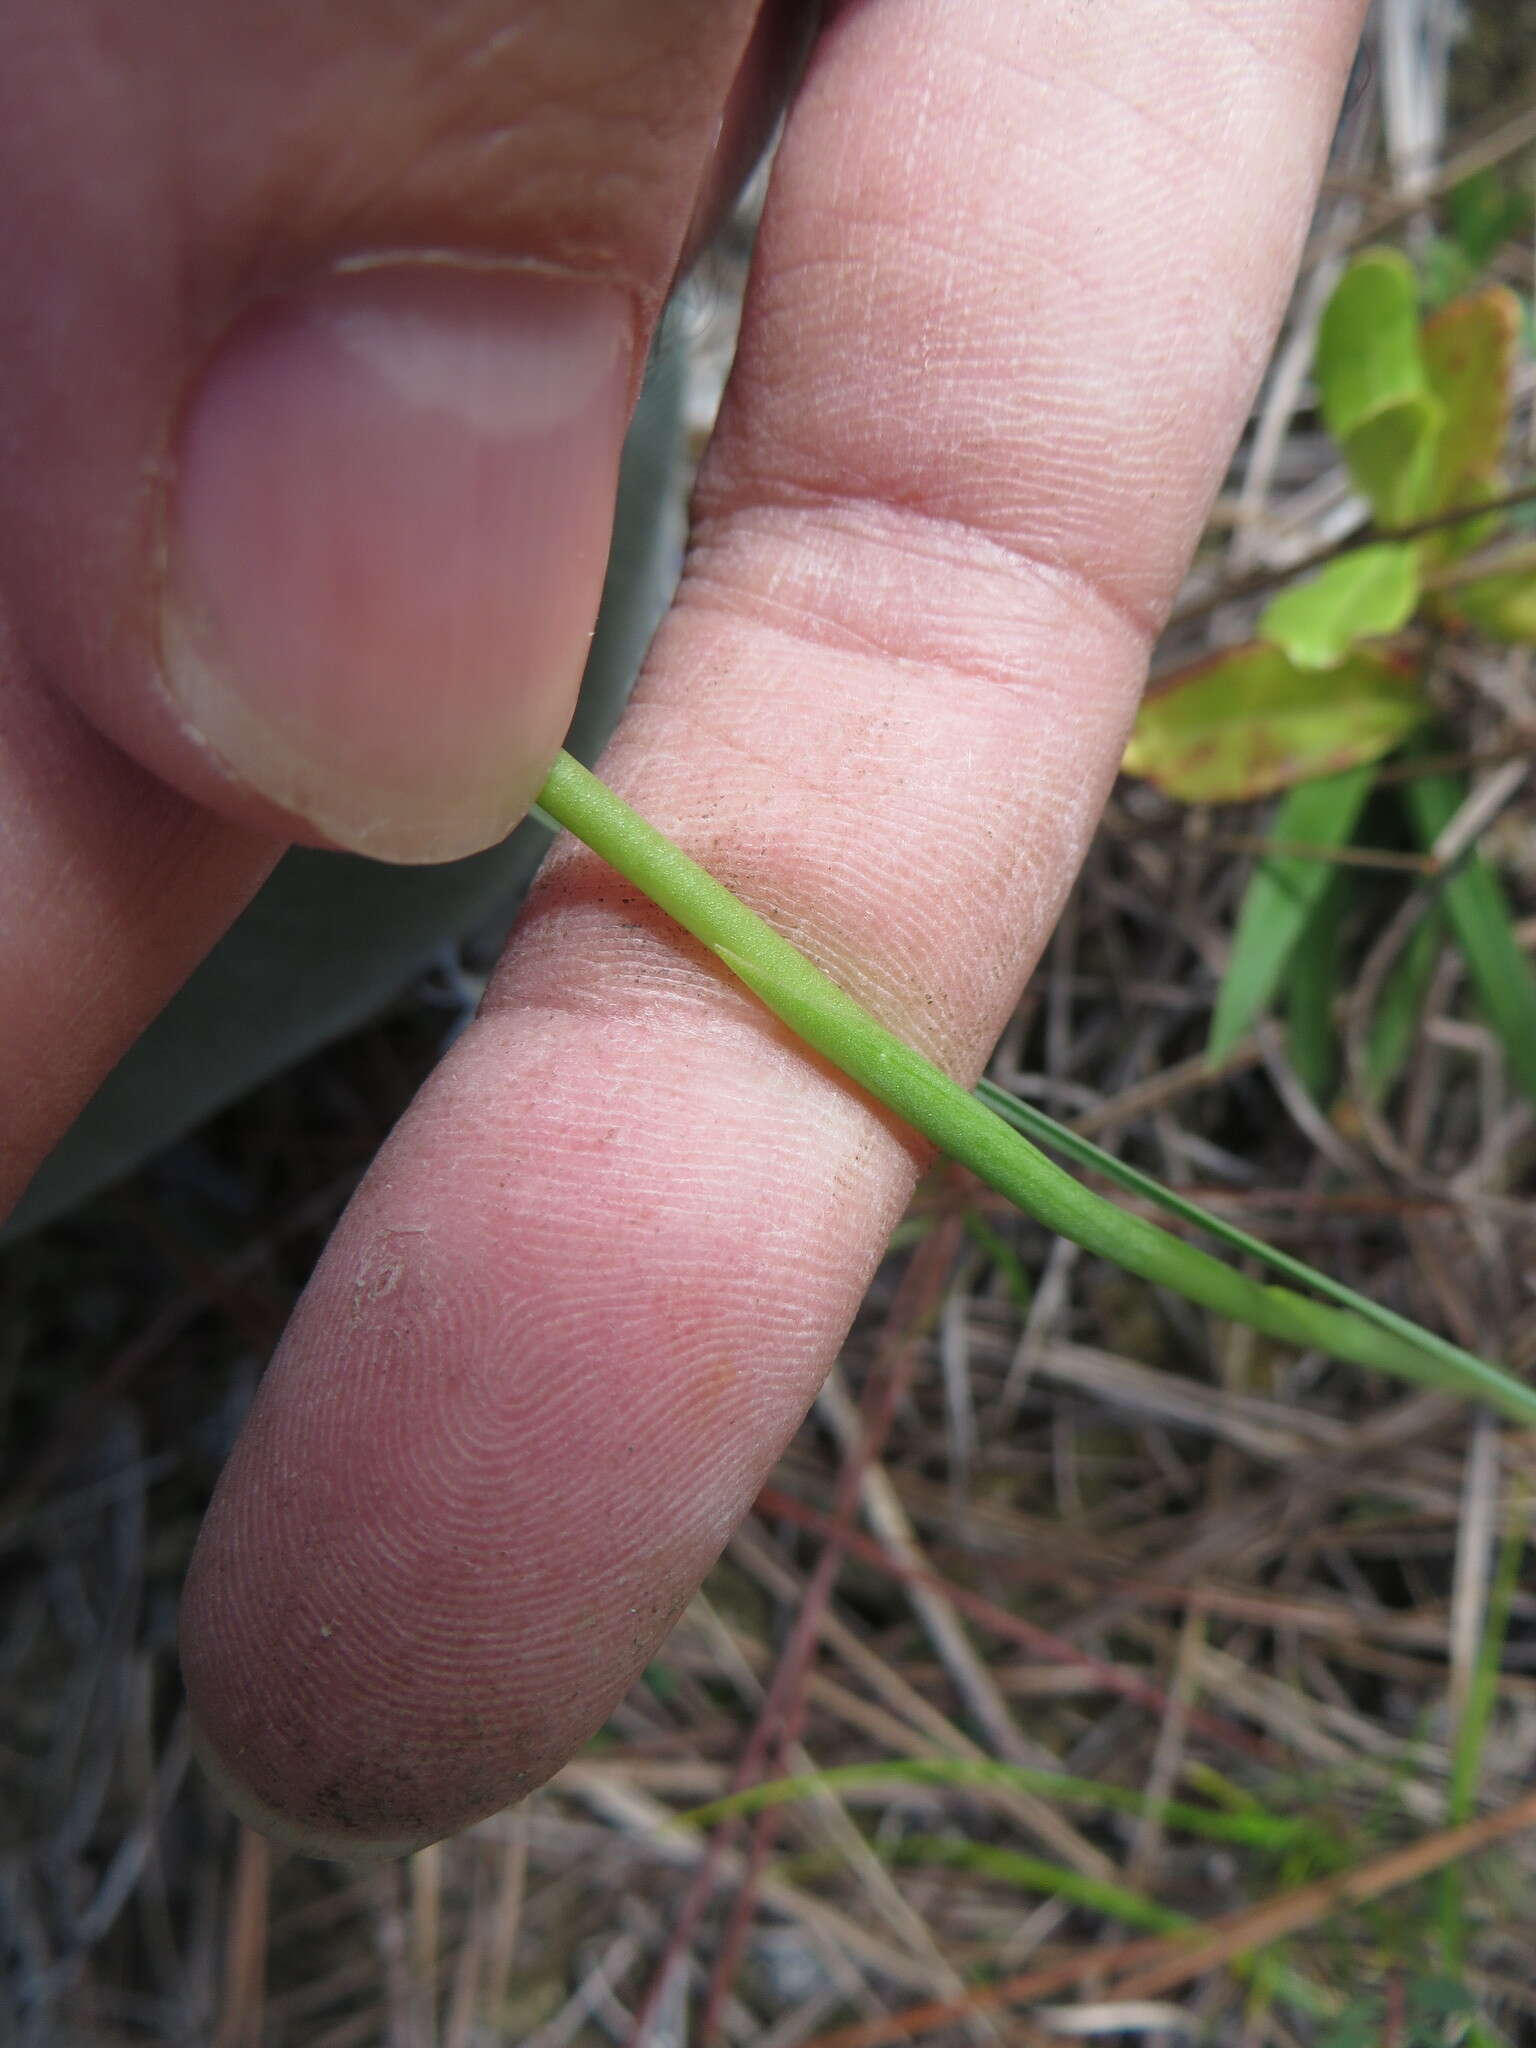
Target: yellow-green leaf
1374 385
1469 362
1368 353
1363 595
1391 457
1469 358
1502 605
1251 722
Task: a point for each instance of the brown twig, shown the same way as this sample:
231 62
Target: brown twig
1259 581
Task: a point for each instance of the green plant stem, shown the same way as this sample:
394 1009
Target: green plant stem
1270 1977
1254 1828
958 1123
1043 1130
1034 1874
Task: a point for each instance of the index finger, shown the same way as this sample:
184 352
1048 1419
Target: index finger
1016 281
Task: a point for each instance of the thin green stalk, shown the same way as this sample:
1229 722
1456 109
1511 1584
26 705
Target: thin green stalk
1269 1976
1035 1124
1034 1874
1253 1828
959 1123
1003 1256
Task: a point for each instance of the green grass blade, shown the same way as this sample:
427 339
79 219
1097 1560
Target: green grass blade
961 1124
1467 1759
1480 921
1310 989
1400 1011
1004 1257
1269 1976
1254 1828
1035 1124
1282 897
1035 1874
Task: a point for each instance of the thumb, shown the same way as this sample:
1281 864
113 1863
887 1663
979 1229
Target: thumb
322 327
386 545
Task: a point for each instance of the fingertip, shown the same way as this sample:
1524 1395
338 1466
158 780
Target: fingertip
331 1845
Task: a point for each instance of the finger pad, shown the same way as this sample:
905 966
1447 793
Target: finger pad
535 1383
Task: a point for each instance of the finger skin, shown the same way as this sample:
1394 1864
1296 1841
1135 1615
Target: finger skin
1019 272
164 168
112 887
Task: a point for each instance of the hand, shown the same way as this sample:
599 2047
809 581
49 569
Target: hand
309 523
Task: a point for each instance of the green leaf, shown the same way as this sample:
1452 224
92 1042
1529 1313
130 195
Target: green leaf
1391 458
1470 350
1368 354
1250 722
1485 213
1364 595
1310 989
1480 921
1372 380
1444 271
1501 605
1284 894
1469 363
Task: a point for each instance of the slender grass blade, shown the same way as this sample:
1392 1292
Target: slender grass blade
1284 894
